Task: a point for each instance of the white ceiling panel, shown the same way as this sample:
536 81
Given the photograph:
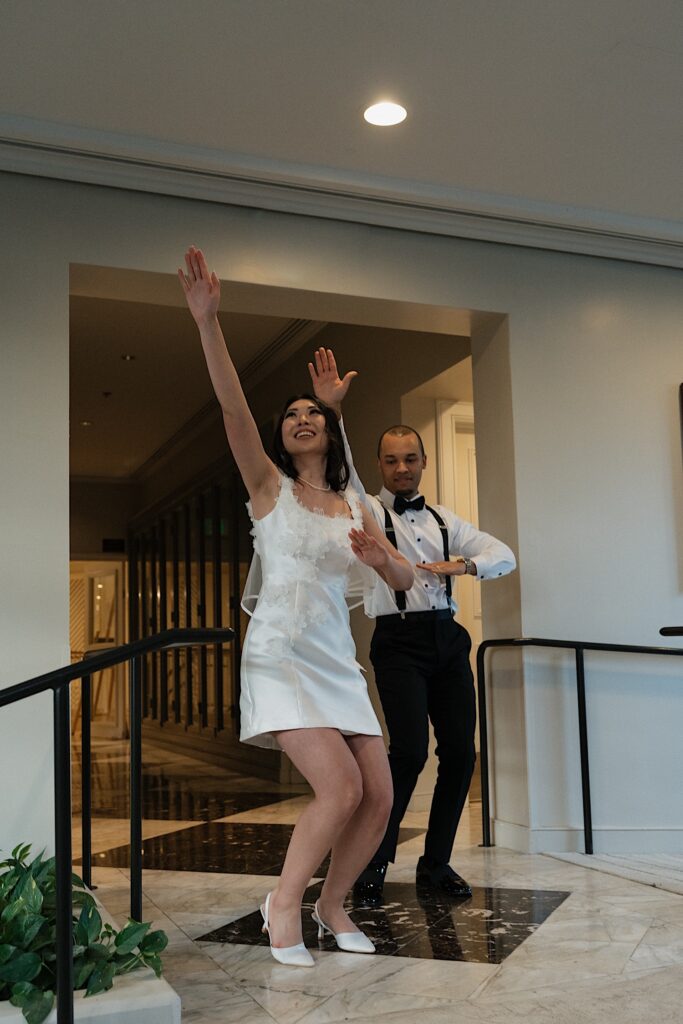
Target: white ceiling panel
576 105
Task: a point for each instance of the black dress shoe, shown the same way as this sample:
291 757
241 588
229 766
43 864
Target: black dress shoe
442 878
370 884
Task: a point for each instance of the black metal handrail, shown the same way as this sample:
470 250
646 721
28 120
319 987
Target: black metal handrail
59 681
579 647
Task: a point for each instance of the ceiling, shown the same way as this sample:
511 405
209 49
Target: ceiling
124 412
564 116
453 384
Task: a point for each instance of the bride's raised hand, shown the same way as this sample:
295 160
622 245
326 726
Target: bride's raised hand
202 288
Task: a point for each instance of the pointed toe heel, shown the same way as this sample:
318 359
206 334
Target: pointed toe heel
291 956
349 942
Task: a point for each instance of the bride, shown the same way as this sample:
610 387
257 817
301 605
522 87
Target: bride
302 688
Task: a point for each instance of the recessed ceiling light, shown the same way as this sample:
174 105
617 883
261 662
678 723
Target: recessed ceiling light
127 358
86 423
385 114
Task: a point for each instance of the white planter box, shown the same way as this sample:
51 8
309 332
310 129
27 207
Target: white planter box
136 998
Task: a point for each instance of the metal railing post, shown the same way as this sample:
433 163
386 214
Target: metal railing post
583 745
63 858
483 749
135 791
86 783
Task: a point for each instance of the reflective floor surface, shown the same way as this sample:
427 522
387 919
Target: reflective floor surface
540 938
484 928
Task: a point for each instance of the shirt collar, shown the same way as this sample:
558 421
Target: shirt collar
387 498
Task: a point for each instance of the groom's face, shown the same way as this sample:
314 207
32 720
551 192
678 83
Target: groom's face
401 463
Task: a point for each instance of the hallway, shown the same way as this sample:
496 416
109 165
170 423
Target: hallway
538 936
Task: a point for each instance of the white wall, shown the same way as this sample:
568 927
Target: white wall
578 450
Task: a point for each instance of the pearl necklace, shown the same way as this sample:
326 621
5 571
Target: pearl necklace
314 486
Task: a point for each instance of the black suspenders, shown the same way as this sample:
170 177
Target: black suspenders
391 537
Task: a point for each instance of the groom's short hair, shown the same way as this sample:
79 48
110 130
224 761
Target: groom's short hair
400 430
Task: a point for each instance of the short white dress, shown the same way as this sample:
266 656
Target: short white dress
299 668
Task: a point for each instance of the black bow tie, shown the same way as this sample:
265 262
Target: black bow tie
401 504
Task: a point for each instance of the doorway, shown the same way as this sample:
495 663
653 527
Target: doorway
442 411
97 621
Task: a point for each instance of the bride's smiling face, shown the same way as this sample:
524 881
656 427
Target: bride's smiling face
303 429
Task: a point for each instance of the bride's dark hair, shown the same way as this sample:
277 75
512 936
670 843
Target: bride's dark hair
337 468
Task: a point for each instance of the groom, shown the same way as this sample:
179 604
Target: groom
420 654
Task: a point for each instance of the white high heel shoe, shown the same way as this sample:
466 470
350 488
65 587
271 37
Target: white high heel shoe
293 956
350 942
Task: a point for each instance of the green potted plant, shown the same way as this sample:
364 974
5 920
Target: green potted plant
28 944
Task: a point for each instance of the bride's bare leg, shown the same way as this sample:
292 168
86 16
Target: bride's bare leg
326 762
362 834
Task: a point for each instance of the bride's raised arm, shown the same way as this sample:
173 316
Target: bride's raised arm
202 291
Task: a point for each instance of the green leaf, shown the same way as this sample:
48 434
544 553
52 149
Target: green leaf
155 942
38 1007
98 951
131 936
82 972
24 967
45 871
28 891
80 898
127 962
21 991
45 938
101 979
20 852
36 863
6 951
28 927
153 960
11 911
89 925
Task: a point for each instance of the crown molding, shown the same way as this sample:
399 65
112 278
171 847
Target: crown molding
65 152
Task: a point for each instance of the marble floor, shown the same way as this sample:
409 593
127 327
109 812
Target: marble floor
661 870
540 937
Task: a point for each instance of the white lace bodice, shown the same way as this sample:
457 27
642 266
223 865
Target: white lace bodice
302 562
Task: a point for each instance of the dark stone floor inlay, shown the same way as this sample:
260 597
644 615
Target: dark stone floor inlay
224 847
484 928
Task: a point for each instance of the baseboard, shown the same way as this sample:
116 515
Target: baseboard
571 840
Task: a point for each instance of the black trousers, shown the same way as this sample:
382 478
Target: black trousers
423 674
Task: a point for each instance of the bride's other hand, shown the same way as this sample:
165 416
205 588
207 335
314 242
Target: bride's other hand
368 550
202 288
